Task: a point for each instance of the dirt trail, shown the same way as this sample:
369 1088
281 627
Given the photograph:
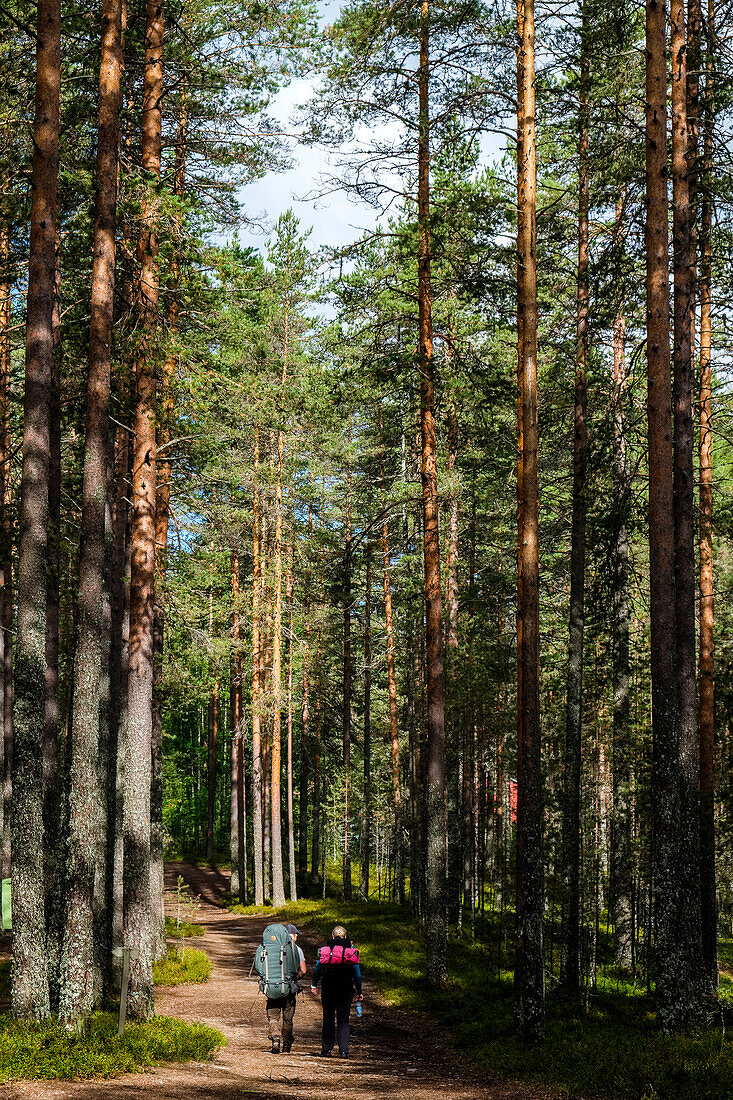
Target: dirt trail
393 1054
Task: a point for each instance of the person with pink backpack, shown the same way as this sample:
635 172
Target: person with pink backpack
339 972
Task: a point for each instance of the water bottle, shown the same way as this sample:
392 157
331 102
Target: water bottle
358 1009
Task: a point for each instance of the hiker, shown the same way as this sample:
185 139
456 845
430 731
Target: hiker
280 962
339 972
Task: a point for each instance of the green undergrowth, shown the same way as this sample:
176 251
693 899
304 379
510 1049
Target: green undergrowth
179 967
606 1049
32 1051
183 929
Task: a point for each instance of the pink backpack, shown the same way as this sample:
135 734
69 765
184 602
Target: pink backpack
338 956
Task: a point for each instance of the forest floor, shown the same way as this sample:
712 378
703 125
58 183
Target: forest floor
394 1053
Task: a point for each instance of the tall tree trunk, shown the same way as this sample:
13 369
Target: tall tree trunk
30 989
366 821
317 748
574 724
211 770
622 806
278 887
529 980
256 685
347 688
86 784
436 809
709 901
291 817
119 659
162 517
53 747
665 719
394 728
305 721
237 817
689 944
6 551
137 899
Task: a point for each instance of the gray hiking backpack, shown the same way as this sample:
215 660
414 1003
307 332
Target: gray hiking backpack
276 962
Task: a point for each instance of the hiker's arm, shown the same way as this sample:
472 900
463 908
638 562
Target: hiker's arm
316 977
357 979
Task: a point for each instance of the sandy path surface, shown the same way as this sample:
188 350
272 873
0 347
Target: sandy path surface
393 1054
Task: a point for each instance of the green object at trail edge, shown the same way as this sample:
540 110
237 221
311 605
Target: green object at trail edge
7 920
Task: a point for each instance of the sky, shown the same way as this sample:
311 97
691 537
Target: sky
334 219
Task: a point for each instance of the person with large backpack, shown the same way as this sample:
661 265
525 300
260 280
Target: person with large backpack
279 963
339 972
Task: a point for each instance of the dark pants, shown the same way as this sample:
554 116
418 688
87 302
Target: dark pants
276 1006
336 1009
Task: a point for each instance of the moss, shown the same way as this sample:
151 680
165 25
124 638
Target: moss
181 966
32 1051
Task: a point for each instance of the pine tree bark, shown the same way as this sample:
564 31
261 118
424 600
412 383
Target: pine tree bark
289 649
6 547
529 979
665 718
709 901
436 915
688 925
237 805
574 723
53 757
119 666
347 676
137 883
394 728
30 988
256 703
366 821
305 721
87 792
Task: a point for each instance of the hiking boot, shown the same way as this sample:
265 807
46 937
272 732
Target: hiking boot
275 1046
286 1047
343 1054
325 1054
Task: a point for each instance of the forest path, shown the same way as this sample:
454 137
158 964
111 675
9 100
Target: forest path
394 1054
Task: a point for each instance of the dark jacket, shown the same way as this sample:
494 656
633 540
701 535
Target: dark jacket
339 980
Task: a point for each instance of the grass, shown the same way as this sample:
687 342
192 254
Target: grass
32 1051
179 967
180 930
609 1049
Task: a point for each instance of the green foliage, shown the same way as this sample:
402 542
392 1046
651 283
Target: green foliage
182 966
179 930
33 1051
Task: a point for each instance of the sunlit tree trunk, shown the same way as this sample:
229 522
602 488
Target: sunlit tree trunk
707 578
289 649
529 978
256 685
137 899
346 726
436 809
